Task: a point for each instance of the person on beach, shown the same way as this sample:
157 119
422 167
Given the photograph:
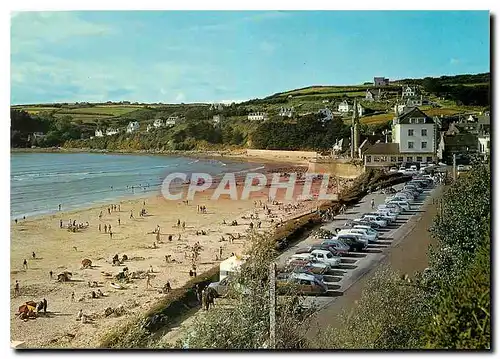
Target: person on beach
33 255
60 223
148 281
110 235
119 210
179 238
183 225
73 296
105 228
25 264
44 306
109 227
178 223
373 203
109 210
220 252
118 220
17 292
59 207
50 274
100 215
99 227
131 214
15 220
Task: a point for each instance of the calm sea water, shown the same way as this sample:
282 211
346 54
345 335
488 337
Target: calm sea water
42 181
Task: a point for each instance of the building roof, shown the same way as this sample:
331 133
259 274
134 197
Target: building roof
413 112
383 149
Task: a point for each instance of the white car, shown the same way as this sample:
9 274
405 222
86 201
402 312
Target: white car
393 169
393 207
365 238
413 168
460 168
376 219
369 233
384 215
402 169
326 257
369 229
401 203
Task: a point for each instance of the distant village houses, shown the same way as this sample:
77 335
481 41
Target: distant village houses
344 107
216 107
380 81
112 131
98 133
158 123
257 116
286 112
132 126
326 113
172 120
409 91
217 119
373 95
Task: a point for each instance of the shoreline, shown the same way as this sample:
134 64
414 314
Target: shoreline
239 155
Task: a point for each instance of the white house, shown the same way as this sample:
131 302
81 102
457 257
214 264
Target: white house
158 123
413 141
132 126
344 107
400 108
286 112
409 91
257 116
326 113
98 133
112 131
172 121
217 119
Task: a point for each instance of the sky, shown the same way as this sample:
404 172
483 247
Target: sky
225 56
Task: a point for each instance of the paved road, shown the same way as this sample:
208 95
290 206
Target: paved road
355 265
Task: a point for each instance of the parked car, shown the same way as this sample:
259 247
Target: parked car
388 190
303 283
221 287
393 207
362 222
362 236
325 256
369 233
374 218
369 230
389 218
339 246
353 242
401 203
393 169
309 249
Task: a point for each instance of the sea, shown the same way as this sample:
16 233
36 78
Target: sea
39 182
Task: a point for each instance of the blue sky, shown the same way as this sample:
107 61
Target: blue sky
188 56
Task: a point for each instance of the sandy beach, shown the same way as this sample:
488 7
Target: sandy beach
60 250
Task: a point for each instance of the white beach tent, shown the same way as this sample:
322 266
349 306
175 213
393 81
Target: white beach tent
231 266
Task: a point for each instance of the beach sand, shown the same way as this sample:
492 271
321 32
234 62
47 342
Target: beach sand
60 250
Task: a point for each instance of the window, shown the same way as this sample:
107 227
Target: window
410 144
419 159
400 159
429 159
424 144
376 159
410 132
409 159
393 159
424 132
368 159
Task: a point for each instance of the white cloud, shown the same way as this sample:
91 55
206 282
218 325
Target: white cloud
30 30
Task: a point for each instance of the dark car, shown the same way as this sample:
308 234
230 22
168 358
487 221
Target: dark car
339 246
352 241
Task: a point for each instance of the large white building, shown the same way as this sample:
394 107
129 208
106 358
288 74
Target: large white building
413 141
257 116
132 126
409 91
